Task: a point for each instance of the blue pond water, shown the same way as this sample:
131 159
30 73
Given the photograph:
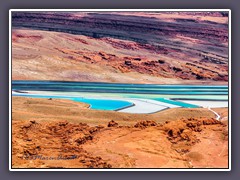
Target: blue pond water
59 86
98 104
102 104
145 91
182 104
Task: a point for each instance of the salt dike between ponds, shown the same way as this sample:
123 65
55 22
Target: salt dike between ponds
128 98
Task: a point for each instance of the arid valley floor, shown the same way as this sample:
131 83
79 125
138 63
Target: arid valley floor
188 138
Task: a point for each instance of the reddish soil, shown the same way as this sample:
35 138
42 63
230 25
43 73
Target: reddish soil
66 134
174 144
32 142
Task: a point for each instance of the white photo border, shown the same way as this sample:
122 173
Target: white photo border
119 10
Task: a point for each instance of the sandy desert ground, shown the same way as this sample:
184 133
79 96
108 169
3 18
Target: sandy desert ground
43 128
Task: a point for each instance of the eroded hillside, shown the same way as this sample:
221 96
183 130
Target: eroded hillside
121 46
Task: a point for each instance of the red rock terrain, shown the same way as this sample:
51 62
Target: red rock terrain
147 144
177 47
65 134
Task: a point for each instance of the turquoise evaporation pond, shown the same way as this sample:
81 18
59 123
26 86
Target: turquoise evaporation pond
182 104
162 93
98 104
61 86
102 104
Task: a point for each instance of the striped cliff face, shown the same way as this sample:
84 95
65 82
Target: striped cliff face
147 47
